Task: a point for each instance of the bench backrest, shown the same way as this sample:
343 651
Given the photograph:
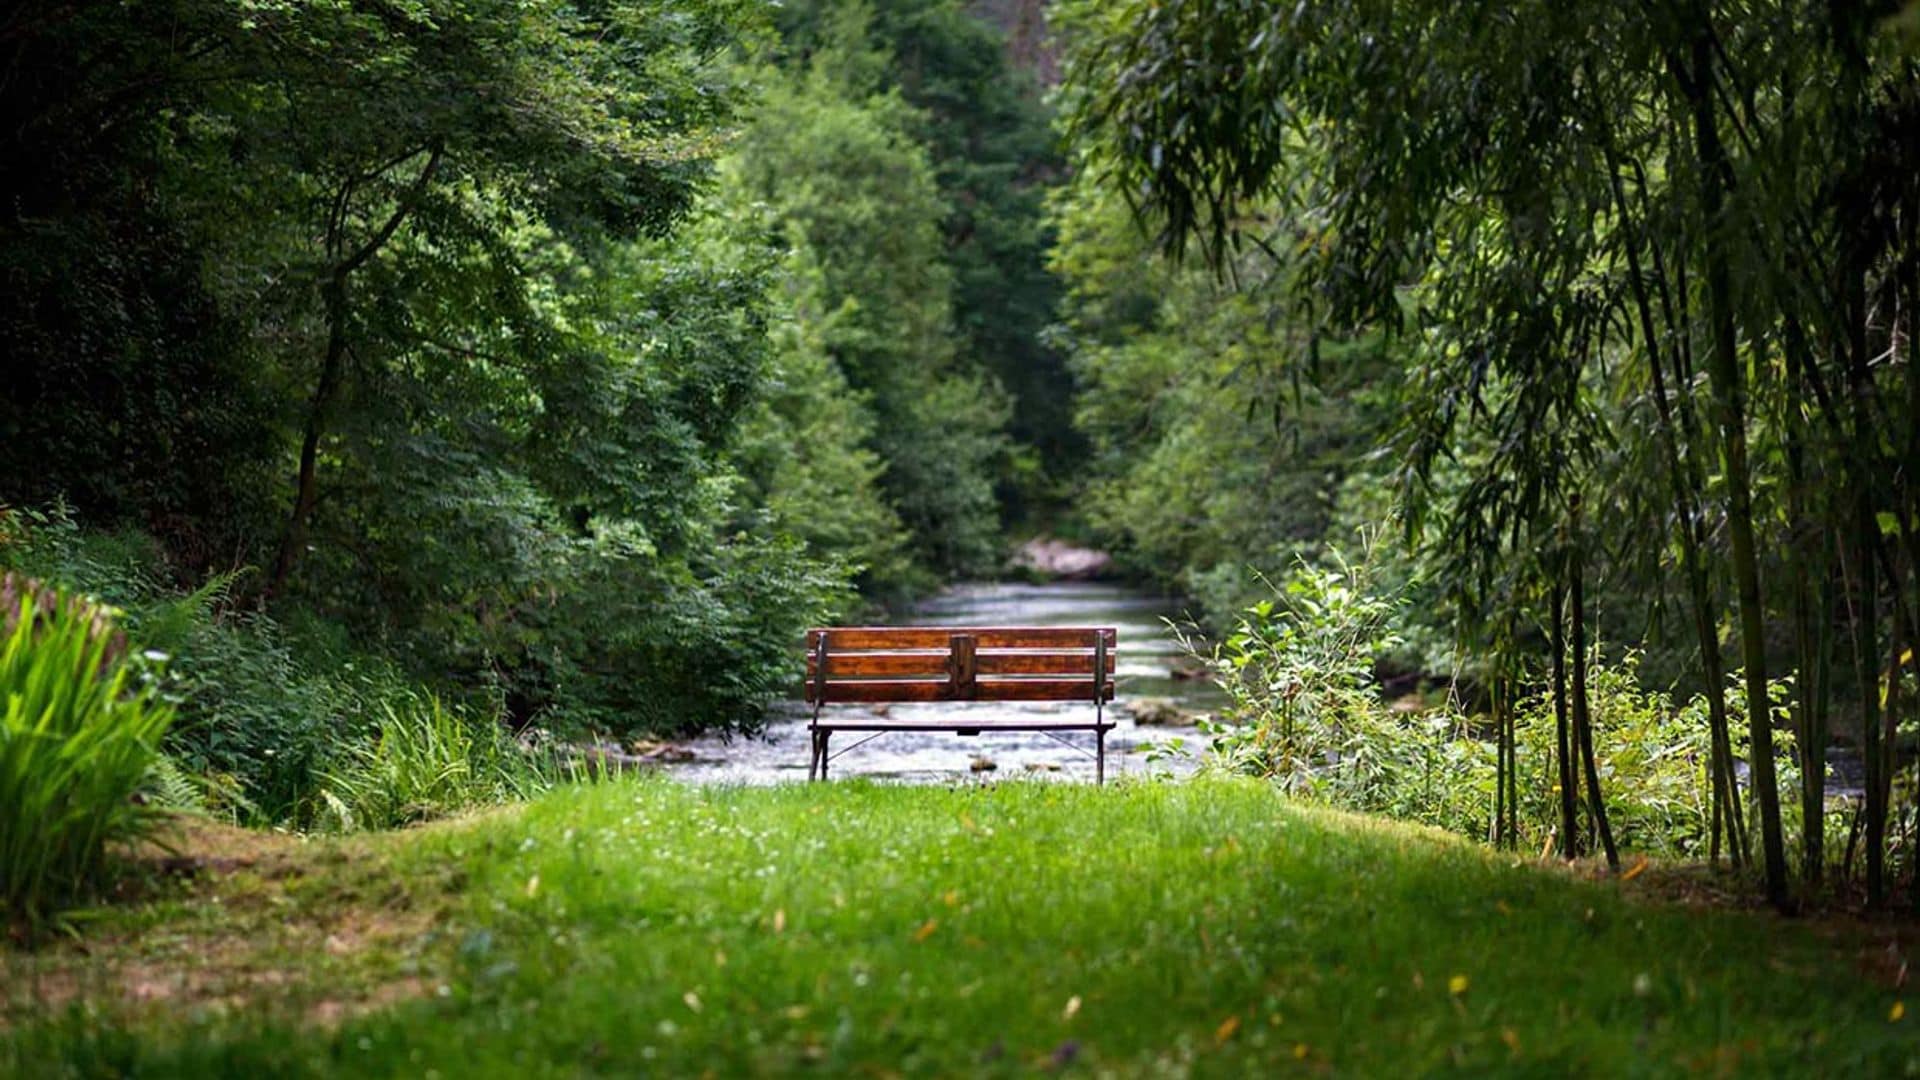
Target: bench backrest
960 663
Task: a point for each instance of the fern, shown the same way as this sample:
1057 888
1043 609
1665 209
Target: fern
169 787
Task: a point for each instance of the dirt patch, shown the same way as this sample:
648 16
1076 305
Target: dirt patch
222 918
1880 943
331 1011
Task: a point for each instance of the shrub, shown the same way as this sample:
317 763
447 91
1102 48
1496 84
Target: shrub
259 706
79 729
1298 672
1304 711
1650 752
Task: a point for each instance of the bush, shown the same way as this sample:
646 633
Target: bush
1298 672
79 729
1304 711
1651 754
253 719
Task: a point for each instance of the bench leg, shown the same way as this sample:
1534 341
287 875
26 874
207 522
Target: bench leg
1100 757
823 754
813 755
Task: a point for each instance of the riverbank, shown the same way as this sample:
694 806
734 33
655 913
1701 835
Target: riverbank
650 926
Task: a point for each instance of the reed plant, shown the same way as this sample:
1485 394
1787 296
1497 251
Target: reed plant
80 728
427 759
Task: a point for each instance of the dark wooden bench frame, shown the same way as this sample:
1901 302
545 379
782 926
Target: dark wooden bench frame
874 664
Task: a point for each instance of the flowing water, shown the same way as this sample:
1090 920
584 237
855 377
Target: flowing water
1149 681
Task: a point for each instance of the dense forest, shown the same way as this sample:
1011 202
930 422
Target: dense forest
504 373
564 360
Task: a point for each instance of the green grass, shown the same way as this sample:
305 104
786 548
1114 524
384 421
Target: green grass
1210 927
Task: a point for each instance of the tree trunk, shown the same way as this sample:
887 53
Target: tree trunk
1563 743
1866 653
1890 705
1866 542
1729 398
1513 763
1686 483
333 364
306 490
1582 714
1910 312
1804 568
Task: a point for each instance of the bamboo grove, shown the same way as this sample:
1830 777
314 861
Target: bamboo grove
1655 273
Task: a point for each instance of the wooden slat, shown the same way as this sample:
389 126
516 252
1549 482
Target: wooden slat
902 690
958 722
936 637
926 662
1039 663
929 662
941 690
1036 690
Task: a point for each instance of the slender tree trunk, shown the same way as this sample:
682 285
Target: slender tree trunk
333 364
1823 679
1506 790
1812 612
1497 834
306 488
1866 653
1890 706
1563 742
1582 714
1725 791
1803 568
1513 769
1729 397
1910 312
1866 543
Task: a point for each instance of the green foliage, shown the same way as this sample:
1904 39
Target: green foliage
985 128
842 180
424 759
596 555
705 649
256 710
1305 712
1227 430
1652 753
1302 706
80 729
805 448
1658 261
437 367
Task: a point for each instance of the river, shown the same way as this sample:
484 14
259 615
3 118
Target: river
1146 685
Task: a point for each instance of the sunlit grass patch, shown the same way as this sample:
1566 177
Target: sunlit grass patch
1210 926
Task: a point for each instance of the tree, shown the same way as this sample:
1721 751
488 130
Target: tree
987 134
482 412
843 181
1557 195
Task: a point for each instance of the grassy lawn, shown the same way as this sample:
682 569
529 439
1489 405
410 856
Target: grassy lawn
1206 927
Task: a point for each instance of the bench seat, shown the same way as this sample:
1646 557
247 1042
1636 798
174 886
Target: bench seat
887 664
873 723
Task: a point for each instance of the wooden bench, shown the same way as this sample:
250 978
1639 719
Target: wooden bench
874 664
